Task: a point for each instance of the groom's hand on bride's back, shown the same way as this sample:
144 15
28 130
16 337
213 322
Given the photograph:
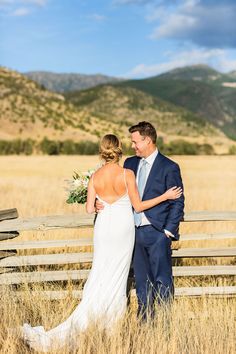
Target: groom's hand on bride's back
98 206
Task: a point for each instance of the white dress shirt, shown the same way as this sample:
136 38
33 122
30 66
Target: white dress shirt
150 160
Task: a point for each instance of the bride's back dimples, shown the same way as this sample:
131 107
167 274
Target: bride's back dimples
109 182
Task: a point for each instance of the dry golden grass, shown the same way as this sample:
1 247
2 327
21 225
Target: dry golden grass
35 186
196 326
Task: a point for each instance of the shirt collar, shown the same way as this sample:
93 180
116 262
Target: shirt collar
150 159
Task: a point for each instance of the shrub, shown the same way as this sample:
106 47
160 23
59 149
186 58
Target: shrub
127 149
17 146
50 147
180 147
68 147
87 147
206 149
232 150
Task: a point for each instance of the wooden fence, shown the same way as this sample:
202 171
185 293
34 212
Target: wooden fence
16 269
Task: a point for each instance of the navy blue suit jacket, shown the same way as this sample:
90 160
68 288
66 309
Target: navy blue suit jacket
164 174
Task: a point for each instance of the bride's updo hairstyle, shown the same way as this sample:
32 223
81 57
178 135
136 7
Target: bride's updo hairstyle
110 148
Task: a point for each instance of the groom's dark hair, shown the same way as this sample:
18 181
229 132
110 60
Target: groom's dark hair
145 129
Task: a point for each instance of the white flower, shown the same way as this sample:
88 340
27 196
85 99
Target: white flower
77 188
77 182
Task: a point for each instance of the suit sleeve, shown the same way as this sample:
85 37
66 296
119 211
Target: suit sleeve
126 163
176 212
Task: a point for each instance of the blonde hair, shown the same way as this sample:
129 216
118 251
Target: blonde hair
110 148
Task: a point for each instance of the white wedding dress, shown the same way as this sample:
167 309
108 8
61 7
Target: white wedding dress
104 294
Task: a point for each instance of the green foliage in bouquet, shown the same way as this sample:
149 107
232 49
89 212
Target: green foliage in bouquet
78 187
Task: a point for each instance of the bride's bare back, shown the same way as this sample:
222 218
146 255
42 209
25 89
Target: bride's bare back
109 182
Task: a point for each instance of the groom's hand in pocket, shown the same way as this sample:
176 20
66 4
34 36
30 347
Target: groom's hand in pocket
98 206
168 234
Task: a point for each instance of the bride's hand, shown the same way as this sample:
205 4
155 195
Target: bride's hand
98 206
173 193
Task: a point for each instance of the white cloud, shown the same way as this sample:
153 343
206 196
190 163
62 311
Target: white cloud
206 23
35 2
97 17
20 7
226 65
6 2
22 11
22 2
127 2
174 24
155 14
218 58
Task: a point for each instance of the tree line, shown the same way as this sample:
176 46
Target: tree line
86 147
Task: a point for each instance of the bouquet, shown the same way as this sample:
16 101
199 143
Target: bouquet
78 187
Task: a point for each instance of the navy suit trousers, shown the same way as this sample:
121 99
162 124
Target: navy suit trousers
152 268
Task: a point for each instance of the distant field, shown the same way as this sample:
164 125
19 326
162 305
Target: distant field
35 186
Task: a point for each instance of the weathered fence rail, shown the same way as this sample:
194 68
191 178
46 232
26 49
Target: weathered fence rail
85 257
74 220
196 291
63 275
13 267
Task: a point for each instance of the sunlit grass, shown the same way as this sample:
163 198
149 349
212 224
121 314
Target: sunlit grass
35 185
205 325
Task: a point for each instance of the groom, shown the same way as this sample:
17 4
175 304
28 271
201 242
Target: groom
155 227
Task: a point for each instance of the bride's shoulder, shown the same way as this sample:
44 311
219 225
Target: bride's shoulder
94 175
129 173
98 170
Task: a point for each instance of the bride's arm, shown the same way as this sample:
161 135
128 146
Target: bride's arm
91 196
172 193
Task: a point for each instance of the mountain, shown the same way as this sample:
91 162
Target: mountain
68 82
27 110
233 74
199 72
199 89
126 105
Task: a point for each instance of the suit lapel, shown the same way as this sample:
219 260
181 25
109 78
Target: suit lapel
154 171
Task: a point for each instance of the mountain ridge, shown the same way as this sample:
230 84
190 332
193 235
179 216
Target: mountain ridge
63 82
28 110
213 98
24 100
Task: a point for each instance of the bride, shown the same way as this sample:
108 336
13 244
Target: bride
104 294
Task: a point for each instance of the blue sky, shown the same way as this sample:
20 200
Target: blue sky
127 38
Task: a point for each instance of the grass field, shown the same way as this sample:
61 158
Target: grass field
35 185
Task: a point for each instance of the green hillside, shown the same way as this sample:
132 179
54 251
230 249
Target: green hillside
34 119
195 72
126 105
28 110
199 89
